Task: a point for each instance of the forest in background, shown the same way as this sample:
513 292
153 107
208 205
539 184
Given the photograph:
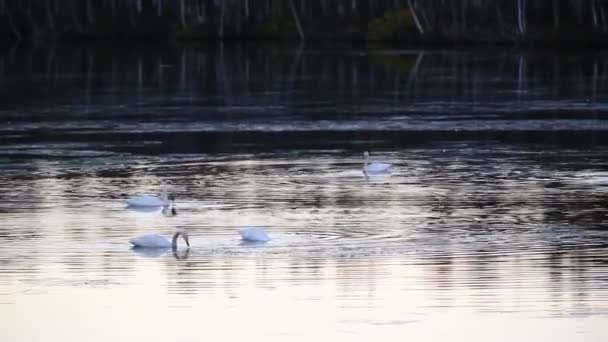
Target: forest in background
407 21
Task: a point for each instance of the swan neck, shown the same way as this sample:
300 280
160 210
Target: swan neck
176 236
164 195
174 240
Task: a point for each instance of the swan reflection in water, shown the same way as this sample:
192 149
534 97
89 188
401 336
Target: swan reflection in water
152 211
159 252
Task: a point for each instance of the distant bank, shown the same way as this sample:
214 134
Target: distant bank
460 22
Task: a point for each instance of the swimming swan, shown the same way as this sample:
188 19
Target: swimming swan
158 241
254 234
373 167
162 200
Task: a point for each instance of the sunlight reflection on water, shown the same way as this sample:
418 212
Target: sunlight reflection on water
490 227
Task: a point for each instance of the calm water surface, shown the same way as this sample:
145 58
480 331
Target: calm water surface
493 225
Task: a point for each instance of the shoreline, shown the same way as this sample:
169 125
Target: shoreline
145 41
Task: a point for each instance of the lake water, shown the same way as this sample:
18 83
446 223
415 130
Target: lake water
493 225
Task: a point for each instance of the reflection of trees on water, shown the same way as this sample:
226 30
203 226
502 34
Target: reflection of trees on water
256 75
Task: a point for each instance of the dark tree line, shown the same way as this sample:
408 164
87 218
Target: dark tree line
409 20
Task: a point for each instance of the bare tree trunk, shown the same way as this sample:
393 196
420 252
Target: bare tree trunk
521 16
463 14
425 20
89 9
221 28
500 19
341 11
159 8
30 19
296 19
14 28
49 15
201 13
603 18
454 16
556 14
415 17
594 15
239 19
182 13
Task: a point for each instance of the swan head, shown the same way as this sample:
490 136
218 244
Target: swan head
184 236
365 154
167 196
165 193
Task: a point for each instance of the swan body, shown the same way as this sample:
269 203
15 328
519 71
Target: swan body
158 241
147 201
254 234
162 200
374 167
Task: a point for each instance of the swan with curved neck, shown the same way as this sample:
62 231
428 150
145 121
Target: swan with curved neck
374 167
165 198
159 241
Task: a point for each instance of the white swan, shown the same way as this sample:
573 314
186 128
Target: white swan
162 200
158 241
254 234
374 167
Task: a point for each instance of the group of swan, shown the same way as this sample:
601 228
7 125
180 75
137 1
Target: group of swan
166 200
252 234
159 241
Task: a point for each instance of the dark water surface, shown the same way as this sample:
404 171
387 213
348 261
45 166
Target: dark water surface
493 225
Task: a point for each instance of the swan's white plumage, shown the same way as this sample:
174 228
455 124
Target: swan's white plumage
150 200
374 167
377 168
150 241
254 234
147 201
